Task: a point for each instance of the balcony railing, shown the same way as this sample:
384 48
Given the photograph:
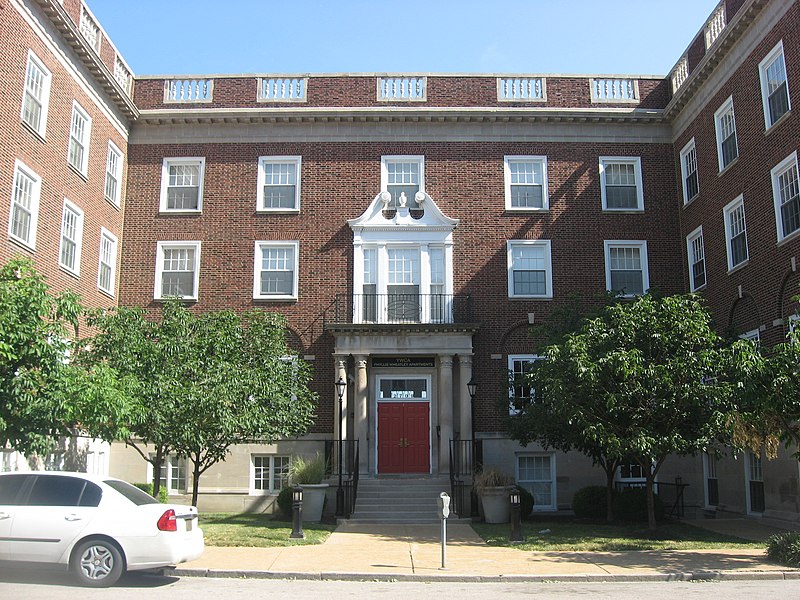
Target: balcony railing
188 90
401 308
614 90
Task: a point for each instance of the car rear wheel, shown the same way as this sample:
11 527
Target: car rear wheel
96 563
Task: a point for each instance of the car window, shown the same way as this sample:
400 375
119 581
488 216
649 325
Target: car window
91 495
132 493
55 490
10 486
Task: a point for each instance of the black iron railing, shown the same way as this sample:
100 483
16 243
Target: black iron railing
466 458
670 493
348 474
400 308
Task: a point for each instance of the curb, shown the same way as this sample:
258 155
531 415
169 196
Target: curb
444 578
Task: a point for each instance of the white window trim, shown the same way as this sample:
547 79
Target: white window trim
36 192
708 461
554 494
402 158
542 160
69 206
257 295
511 359
83 168
642 245
113 149
777 170
762 76
697 233
754 335
46 83
684 174
748 477
271 491
729 208
286 160
547 245
168 465
105 233
728 104
175 244
182 160
637 170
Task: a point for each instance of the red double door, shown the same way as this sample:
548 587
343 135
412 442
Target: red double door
403 437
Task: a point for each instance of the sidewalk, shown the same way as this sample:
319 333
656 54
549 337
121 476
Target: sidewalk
413 552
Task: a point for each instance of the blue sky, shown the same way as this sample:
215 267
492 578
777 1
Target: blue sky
441 36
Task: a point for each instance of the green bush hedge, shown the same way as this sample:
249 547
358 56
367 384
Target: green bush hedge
785 548
631 505
590 502
526 501
285 502
163 496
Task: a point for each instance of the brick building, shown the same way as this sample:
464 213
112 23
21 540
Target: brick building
415 228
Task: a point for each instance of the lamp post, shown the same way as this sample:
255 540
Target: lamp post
340 384
297 514
515 498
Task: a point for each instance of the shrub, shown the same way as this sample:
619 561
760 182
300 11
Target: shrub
308 470
631 505
785 548
285 502
163 495
526 501
591 502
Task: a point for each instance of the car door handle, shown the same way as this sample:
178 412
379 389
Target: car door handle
73 517
4 515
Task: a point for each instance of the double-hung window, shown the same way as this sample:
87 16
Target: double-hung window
269 473
786 193
402 177
526 182
172 474
725 124
520 392
177 270
530 271
697 259
735 233
182 184
774 85
276 270
626 267
621 183
69 255
24 205
537 474
279 183
37 94
79 134
113 174
107 262
691 185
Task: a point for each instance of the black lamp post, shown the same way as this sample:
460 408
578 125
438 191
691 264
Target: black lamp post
297 514
341 385
472 387
515 498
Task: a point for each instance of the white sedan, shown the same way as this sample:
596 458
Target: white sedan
97 526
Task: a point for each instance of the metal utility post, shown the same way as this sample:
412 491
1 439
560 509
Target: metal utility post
515 537
297 514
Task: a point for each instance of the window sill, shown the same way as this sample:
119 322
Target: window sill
519 209
691 200
69 271
22 244
792 236
282 299
106 293
698 289
772 127
78 172
162 211
184 299
116 205
277 211
526 298
738 267
623 211
38 135
728 167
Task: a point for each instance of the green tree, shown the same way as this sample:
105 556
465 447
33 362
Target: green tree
206 381
645 379
44 393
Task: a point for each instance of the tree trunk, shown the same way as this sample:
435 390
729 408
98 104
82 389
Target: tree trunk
651 506
610 470
196 472
157 463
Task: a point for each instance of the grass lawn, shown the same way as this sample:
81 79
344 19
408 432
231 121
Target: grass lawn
566 535
257 530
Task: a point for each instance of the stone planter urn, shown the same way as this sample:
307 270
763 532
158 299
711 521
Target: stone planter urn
313 501
496 504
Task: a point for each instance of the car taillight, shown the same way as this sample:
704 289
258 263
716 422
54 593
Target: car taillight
167 521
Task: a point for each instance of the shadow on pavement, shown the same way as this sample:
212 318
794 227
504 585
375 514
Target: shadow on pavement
53 575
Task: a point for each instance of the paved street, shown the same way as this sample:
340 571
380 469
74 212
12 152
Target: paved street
31 585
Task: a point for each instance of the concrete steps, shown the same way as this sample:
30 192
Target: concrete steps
399 501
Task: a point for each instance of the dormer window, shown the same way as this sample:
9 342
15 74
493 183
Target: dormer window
402 177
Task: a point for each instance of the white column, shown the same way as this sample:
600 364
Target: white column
465 402
340 428
360 405
445 410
